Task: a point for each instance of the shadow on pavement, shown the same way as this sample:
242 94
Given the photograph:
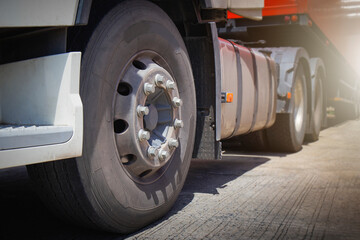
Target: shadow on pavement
207 176
23 216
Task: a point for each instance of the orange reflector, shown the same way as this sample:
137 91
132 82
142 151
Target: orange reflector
294 18
288 95
229 97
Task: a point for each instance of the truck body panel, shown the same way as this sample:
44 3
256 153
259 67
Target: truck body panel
338 20
40 102
248 8
38 13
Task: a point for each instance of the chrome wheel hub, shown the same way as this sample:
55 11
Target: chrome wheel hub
147 107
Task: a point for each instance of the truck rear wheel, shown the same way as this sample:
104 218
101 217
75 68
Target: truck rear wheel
288 132
139 124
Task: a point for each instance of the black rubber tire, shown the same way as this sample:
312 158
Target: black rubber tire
283 136
95 190
317 115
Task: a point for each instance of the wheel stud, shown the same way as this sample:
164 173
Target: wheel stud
151 152
178 123
173 143
149 88
159 79
170 85
144 135
177 102
142 110
163 154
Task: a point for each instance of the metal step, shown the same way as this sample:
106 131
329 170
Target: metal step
23 136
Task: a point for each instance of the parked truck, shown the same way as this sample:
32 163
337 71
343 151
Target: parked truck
107 102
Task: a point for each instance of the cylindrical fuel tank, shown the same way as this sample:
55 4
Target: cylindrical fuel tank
251 77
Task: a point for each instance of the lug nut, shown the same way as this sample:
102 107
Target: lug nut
173 143
177 102
149 88
151 152
142 110
170 85
159 79
178 123
144 135
163 154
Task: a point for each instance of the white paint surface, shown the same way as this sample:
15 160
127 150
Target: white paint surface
39 13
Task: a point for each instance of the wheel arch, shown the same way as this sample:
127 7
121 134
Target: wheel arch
90 13
288 59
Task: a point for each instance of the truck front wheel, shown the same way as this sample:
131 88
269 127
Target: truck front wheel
139 124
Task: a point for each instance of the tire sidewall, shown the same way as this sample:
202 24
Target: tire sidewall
316 125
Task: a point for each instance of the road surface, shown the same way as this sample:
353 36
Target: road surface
313 194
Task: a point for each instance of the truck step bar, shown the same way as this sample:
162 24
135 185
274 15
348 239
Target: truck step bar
40 110
16 136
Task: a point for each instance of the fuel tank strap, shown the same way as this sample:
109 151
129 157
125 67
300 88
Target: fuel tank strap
239 78
256 85
271 95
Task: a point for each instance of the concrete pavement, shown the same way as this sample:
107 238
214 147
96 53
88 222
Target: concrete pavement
313 194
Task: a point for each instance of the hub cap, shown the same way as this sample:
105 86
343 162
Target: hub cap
147 111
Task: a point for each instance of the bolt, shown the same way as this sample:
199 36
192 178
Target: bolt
178 123
173 143
151 152
177 102
142 110
144 135
159 79
170 85
149 88
163 154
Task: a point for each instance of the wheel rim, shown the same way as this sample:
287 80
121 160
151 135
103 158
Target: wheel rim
147 115
299 104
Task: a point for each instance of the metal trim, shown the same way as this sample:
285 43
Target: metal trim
216 45
240 88
256 85
83 12
271 95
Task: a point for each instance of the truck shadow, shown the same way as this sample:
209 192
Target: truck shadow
23 214
207 177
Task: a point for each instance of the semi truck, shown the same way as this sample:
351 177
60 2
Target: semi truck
107 102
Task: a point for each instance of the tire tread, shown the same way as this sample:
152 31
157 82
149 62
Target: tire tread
279 135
